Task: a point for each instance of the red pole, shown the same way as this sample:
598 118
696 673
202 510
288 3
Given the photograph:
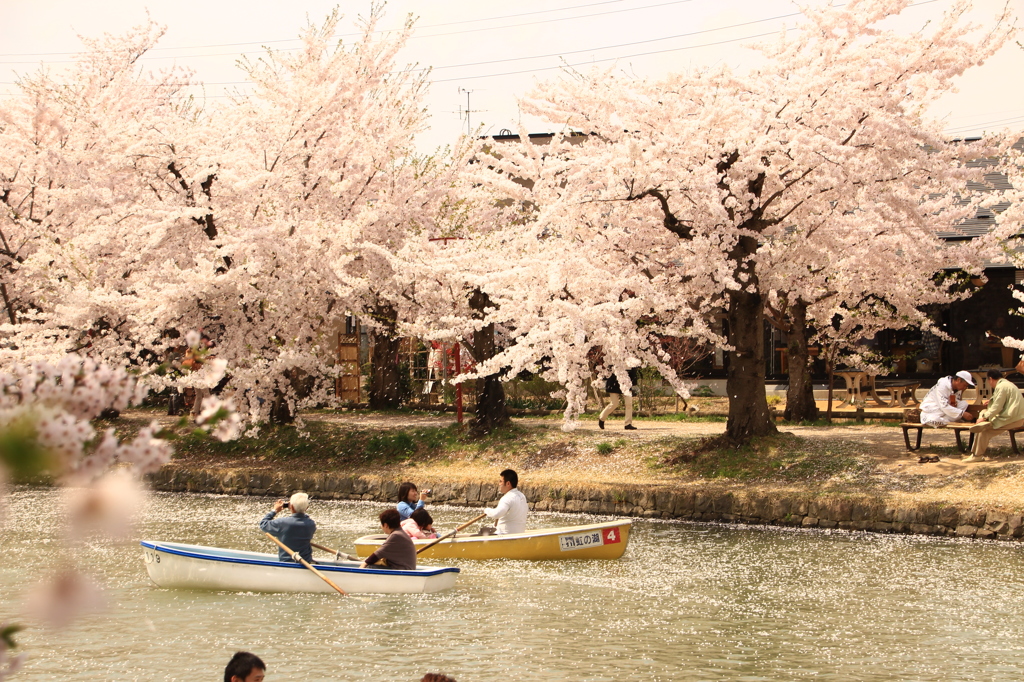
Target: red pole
458 386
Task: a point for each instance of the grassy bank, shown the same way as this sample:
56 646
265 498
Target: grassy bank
829 460
324 445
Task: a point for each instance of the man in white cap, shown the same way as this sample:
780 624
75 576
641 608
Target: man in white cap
945 404
295 531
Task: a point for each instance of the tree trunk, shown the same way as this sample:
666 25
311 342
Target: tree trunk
831 386
280 410
491 410
385 385
748 404
800 405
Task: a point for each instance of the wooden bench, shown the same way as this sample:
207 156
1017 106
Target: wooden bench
900 392
957 429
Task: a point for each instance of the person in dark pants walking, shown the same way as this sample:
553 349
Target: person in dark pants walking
614 391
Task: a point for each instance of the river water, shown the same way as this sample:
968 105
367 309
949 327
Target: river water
686 602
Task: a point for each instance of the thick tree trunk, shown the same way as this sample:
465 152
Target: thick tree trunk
280 410
748 404
491 410
385 386
800 405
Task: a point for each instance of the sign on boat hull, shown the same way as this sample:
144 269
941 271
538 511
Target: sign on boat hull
596 541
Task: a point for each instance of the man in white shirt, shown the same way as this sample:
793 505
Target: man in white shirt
512 507
944 404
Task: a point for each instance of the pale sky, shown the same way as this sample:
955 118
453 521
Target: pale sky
494 50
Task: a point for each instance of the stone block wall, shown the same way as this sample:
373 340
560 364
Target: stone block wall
695 503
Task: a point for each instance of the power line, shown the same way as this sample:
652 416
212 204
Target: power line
608 59
414 37
339 35
984 124
613 47
560 54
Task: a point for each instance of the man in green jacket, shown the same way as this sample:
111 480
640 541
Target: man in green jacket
1005 412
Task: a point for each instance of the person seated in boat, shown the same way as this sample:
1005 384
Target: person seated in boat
944 404
295 531
512 508
397 550
245 667
419 526
409 499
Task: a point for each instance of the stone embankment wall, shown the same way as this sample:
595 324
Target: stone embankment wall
695 503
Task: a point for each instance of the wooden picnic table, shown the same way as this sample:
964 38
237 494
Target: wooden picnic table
982 392
861 385
853 379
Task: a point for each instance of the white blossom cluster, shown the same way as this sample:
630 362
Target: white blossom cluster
56 403
254 220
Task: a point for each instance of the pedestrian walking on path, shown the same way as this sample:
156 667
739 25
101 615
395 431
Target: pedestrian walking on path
614 391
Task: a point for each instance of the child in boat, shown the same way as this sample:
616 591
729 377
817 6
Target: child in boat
419 526
409 499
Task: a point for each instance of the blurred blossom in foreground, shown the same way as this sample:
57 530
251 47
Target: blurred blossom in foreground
46 430
107 507
8 664
219 418
58 600
45 421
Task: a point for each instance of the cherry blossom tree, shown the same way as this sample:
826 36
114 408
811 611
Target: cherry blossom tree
814 290
247 220
76 187
696 178
524 299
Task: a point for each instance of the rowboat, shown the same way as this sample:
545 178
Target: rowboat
596 541
175 565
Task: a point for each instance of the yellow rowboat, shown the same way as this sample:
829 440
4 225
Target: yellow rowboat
596 541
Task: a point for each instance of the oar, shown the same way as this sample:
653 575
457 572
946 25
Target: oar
295 555
448 535
336 552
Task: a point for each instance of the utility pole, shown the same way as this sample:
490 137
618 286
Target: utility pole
468 111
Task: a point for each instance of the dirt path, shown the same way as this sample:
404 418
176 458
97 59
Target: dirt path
884 443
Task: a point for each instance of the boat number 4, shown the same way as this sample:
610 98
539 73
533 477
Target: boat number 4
151 557
606 536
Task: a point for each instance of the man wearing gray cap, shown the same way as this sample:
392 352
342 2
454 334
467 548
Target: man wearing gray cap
295 531
945 404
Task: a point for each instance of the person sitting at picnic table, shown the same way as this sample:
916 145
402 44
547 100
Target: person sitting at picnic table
397 550
409 499
944 404
1004 412
295 531
419 526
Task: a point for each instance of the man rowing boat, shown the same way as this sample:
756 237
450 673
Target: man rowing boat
398 549
512 507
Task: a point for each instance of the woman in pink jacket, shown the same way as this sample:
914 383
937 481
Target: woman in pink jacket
419 526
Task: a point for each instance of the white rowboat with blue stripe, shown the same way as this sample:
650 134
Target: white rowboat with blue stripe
195 567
